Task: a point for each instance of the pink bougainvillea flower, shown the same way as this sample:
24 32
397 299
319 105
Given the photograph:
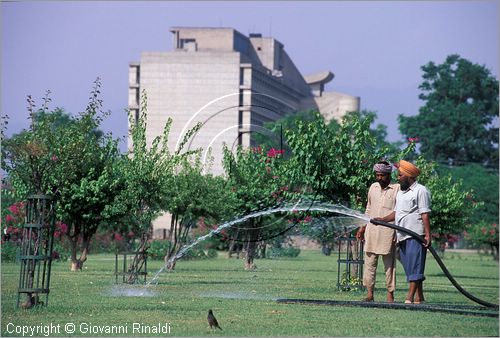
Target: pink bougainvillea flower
118 237
64 228
9 219
14 209
275 152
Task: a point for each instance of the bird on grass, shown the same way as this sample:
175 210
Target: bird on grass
212 321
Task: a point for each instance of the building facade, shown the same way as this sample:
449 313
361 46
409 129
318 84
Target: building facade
230 83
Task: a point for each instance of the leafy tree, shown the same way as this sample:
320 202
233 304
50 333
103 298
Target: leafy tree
256 177
146 175
332 162
378 132
145 170
65 156
277 139
456 124
482 227
194 197
484 185
335 164
452 205
289 124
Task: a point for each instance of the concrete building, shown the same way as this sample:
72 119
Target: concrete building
231 83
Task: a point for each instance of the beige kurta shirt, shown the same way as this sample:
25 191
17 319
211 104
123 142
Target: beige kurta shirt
381 202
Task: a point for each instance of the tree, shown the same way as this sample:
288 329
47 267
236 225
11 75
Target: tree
144 170
194 196
276 137
482 227
336 164
456 123
66 157
452 205
484 185
257 178
147 174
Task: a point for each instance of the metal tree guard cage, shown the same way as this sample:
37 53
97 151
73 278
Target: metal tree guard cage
36 250
134 266
353 261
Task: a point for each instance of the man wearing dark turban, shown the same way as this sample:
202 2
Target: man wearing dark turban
413 205
380 240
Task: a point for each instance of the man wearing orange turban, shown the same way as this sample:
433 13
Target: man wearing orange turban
408 169
413 205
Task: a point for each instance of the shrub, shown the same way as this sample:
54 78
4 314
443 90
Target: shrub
350 284
10 251
483 233
275 252
199 253
158 249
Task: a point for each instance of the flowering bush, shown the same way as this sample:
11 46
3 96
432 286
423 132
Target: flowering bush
483 233
158 248
12 229
220 242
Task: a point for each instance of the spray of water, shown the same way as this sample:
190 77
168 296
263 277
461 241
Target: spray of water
354 216
129 291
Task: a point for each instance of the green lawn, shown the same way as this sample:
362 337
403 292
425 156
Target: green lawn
244 301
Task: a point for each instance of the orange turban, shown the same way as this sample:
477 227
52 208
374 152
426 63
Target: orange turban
408 169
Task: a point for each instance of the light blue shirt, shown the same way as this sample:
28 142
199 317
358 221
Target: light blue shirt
410 205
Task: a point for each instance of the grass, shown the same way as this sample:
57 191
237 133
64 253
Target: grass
244 301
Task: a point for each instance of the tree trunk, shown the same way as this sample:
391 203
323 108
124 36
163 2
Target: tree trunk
234 247
32 298
494 250
173 243
77 263
139 257
251 245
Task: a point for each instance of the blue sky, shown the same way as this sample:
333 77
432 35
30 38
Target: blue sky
375 49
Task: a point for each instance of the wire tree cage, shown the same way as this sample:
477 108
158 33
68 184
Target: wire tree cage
36 251
350 263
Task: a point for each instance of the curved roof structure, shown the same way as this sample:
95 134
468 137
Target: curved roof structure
321 77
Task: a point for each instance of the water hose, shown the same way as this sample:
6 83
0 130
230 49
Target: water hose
471 311
438 260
